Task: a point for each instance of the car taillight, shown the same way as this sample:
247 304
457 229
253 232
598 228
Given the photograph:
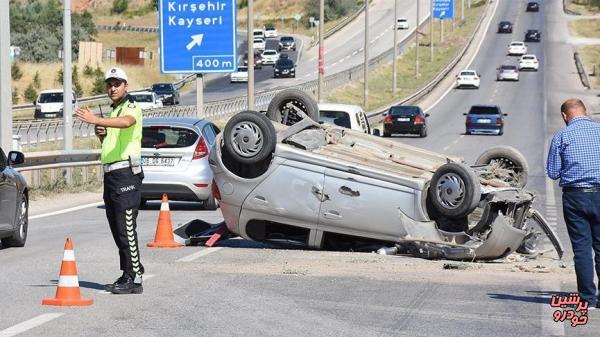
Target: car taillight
499 121
215 190
468 120
201 150
419 120
476 77
388 119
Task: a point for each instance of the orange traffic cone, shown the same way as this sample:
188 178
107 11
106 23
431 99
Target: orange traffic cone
67 292
164 229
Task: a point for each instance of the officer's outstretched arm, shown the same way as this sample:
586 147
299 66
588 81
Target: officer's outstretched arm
121 122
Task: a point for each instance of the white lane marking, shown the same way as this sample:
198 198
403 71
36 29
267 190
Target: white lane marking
199 254
146 277
549 327
462 136
355 52
29 324
373 41
446 147
72 209
334 64
470 61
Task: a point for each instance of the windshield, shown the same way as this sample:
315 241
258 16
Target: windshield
167 137
407 110
144 98
287 39
270 52
484 110
508 68
339 118
285 63
468 73
242 69
55 97
162 87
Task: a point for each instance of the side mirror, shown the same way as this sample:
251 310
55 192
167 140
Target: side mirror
376 132
464 113
427 115
15 158
505 115
384 114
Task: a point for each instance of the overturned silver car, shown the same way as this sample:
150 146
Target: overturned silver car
283 178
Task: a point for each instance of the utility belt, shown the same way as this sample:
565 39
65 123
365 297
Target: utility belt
134 163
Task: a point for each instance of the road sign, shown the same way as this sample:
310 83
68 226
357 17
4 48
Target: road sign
443 9
198 37
297 17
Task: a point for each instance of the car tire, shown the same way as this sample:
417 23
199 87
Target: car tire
20 234
454 190
210 204
423 133
249 137
507 157
278 107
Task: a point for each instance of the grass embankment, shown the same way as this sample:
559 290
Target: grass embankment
585 28
380 79
591 57
582 7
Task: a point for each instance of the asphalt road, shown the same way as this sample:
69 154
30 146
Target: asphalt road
243 289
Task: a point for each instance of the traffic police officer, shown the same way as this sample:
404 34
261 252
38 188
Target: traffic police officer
121 136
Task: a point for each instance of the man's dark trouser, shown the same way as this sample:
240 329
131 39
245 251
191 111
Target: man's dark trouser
122 198
582 216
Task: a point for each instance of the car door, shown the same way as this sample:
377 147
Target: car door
8 194
290 195
363 206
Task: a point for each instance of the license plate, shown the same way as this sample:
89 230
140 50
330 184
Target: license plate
484 121
50 115
158 161
403 119
285 71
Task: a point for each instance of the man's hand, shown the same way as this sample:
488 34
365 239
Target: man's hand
100 132
86 115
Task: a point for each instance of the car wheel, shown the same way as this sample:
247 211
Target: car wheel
249 137
20 235
502 158
386 134
423 133
454 190
284 106
210 204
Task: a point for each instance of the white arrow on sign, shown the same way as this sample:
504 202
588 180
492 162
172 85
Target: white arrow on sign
196 40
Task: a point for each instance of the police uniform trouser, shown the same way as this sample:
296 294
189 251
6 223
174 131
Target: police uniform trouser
122 198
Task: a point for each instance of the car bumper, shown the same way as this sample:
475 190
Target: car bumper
401 128
239 80
489 129
528 67
286 47
176 186
268 62
292 74
508 78
467 84
168 100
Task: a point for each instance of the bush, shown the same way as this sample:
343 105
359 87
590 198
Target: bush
30 93
119 6
15 96
98 87
59 76
88 71
334 9
76 84
37 82
15 72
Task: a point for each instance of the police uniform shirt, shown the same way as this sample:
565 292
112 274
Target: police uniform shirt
120 144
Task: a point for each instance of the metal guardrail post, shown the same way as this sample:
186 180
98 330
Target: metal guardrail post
581 70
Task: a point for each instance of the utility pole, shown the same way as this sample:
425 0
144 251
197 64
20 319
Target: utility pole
395 66
431 30
321 66
366 61
417 42
199 96
462 11
441 30
6 88
250 39
67 78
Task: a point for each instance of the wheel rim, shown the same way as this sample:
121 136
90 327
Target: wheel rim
450 190
507 164
23 219
288 115
247 139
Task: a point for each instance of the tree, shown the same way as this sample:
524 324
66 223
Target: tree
98 85
88 71
37 83
59 76
30 93
15 72
119 6
15 95
76 84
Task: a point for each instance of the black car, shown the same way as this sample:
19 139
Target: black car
166 92
284 67
533 35
533 6
405 119
14 208
286 43
505 27
257 59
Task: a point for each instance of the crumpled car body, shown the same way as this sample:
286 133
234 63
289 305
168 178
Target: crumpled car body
325 183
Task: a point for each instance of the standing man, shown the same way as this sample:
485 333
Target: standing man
574 157
121 137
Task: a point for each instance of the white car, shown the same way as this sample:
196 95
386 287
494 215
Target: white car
517 48
270 32
259 44
241 75
345 115
401 23
147 99
468 78
49 104
529 62
258 34
269 57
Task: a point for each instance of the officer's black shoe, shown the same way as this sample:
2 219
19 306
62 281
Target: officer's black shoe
128 286
110 286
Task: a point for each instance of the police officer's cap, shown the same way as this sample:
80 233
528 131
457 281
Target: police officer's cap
116 73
